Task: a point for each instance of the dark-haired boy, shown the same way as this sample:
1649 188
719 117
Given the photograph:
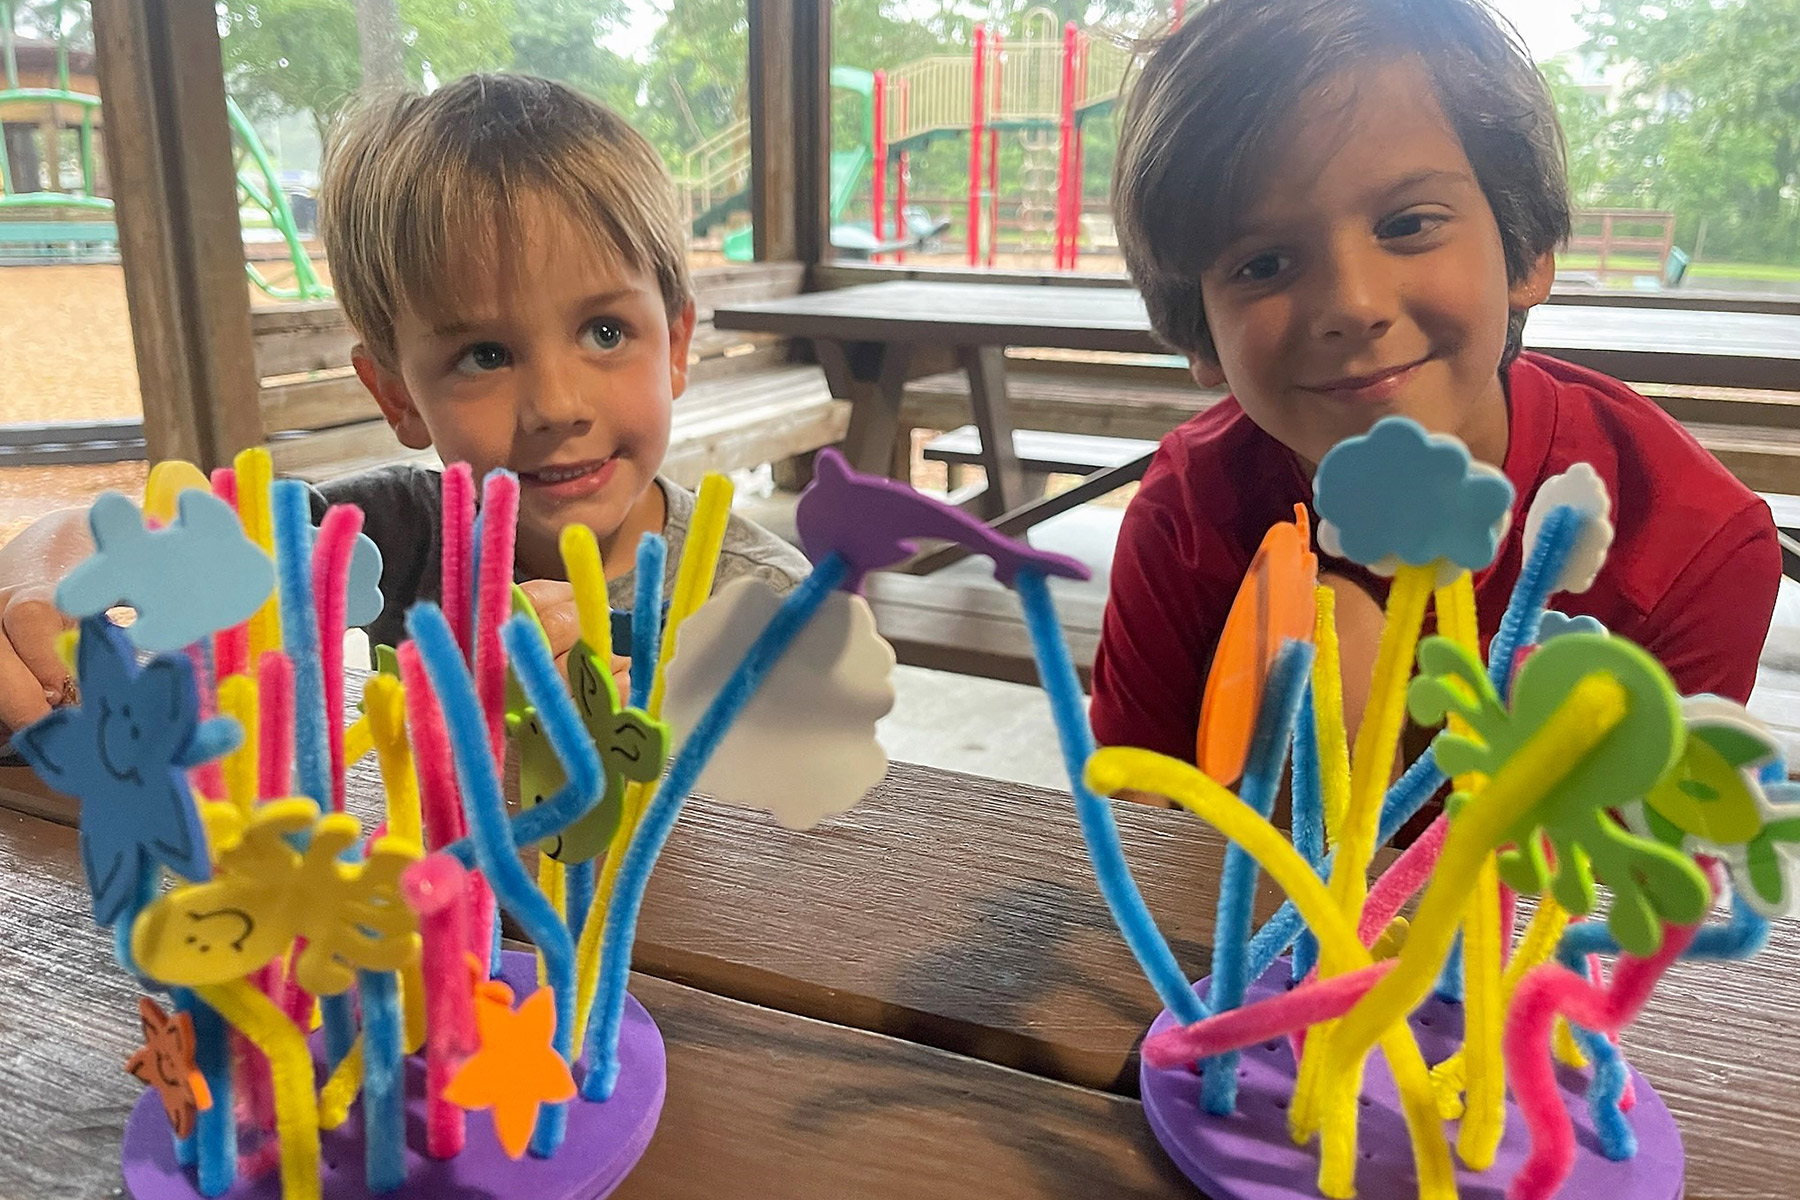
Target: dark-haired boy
1343 209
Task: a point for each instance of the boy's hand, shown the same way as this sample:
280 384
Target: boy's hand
32 678
554 600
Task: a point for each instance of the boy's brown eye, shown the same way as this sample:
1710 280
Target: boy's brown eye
1260 268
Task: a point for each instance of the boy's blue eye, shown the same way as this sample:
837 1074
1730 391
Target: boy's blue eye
605 334
484 356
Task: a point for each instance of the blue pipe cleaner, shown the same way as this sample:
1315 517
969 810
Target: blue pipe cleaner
584 783
1101 832
312 745
383 1093
1286 685
647 617
484 804
213 1146
798 608
1309 815
300 640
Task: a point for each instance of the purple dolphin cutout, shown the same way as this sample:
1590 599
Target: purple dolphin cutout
875 522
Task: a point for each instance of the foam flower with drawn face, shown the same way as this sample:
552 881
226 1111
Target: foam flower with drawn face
1400 496
632 745
1580 488
196 576
267 893
804 748
124 752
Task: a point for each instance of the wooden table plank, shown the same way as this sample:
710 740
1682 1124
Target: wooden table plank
762 1103
1674 346
779 1105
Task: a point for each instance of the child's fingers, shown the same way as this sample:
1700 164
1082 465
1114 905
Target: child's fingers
22 698
554 601
621 670
32 625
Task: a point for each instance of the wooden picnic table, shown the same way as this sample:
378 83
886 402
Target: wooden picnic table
873 338
924 997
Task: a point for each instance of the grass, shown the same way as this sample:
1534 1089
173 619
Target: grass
1646 265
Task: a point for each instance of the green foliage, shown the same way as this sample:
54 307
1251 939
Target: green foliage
303 56
1709 122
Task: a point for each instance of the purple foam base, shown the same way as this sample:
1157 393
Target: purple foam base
1249 1156
604 1140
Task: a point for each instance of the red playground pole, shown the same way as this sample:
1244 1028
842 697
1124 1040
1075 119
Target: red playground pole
994 157
1066 157
901 229
1078 177
878 175
975 143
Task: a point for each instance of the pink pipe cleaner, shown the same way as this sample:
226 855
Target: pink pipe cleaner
440 800
275 726
1550 991
1234 1029
458 590
1402 881
231 647
499 526
437 889
209 776
331 581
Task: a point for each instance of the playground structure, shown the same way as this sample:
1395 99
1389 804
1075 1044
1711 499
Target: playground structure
1044 87
50 95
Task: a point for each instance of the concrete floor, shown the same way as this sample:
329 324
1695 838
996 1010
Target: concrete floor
1004 730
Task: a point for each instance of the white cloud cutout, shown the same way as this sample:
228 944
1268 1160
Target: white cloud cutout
1581 488
804 748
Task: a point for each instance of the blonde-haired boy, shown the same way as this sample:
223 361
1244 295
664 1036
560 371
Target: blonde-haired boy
511 258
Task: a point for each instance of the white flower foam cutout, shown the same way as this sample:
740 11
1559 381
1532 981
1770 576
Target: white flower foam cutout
1581 488
805 747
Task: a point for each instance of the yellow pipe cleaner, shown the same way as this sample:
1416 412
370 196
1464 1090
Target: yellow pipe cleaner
1110 770
1594 707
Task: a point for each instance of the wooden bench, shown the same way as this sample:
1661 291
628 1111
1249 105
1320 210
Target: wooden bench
1756 434
745 403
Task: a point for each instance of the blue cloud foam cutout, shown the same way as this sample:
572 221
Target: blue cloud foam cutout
363 603
1398 492
193 578
1554 624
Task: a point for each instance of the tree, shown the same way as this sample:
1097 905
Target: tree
303 56
1709 122
563 40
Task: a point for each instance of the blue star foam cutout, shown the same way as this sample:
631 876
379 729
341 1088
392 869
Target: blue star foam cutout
124 752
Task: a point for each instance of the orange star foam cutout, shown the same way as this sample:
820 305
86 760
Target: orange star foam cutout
166 1063
517 1068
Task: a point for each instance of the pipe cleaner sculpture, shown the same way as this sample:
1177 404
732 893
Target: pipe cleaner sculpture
1571 762
336 1005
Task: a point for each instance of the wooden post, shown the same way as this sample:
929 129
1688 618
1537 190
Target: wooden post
790 129
168 150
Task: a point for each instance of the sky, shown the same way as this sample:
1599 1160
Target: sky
1547 26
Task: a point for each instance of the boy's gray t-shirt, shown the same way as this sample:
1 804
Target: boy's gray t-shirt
403 515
